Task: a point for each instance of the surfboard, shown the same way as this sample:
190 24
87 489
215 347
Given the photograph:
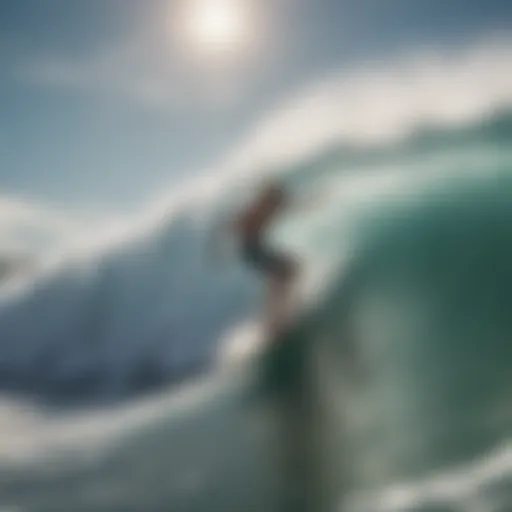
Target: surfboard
275 361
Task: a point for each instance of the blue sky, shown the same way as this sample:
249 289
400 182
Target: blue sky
100 108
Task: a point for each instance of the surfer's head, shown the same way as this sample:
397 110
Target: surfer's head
273 192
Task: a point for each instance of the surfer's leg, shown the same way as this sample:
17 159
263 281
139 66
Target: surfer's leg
281 278
280 271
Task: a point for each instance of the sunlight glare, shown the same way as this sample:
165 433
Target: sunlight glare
217 26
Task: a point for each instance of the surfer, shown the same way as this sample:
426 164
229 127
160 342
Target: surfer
280 270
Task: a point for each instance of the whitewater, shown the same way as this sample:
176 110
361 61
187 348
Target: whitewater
119 386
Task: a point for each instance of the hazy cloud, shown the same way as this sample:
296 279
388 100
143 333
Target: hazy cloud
124 70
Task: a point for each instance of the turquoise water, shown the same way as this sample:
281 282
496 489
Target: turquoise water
414 334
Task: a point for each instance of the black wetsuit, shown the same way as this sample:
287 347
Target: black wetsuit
262 258
253 225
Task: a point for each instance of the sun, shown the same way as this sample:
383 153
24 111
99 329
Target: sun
216 26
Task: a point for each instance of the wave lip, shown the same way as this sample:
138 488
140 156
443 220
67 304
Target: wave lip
486 482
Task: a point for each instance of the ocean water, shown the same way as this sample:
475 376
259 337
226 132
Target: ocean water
119 394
